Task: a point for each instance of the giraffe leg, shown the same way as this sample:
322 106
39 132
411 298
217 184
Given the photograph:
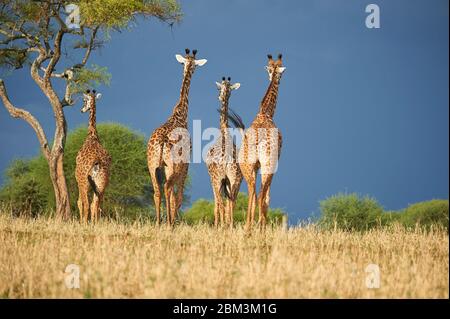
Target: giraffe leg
178 198
251 203
94 208
235 193
221 210
100 181
156 195
80 205
218 205
264 198
85 204
168 189
173 205
227 212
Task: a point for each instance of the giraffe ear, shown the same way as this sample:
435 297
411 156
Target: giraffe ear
200 62
219 86
236 86
98 96
281 70
180 58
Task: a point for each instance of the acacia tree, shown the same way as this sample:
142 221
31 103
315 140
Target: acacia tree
31 35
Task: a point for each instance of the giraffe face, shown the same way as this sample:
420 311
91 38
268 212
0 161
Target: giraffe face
225 87
189 61
89 99
275 67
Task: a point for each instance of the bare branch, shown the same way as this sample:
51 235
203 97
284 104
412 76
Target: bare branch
53 74
89 48
26 116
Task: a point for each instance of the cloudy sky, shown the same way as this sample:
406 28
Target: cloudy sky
361 110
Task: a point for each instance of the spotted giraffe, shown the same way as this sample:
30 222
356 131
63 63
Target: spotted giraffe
92 164
221 161
261 147
169 147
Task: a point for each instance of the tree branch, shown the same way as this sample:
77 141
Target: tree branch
89 48
26 116
55 57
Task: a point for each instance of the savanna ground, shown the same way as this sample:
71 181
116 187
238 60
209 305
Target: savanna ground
141 260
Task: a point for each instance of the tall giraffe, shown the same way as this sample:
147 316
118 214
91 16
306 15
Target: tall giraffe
261 147
92 164
169 147
221 161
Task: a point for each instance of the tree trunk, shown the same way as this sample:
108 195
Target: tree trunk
62 204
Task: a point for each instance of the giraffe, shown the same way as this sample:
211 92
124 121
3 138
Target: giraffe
221 161
92 164
169 147
261 147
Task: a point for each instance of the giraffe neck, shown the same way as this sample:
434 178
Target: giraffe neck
180 111
269 102
92 128
224 115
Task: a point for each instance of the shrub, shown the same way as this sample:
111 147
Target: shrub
202 210
350 212
426 214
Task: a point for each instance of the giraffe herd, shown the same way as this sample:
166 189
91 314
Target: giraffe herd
169 148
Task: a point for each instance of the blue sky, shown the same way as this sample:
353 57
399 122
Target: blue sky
361 110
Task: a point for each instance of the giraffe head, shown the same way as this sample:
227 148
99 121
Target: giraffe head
225 87
189 61
89 99
275 67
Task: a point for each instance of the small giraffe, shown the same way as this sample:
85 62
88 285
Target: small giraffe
169 147
221 161
261 147
92 164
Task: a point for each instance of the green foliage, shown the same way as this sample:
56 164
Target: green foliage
202 210
426 214
40 20
350 212
118 13
129 192
86 78
355 213
23 194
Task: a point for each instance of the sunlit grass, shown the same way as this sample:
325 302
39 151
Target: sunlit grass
142 260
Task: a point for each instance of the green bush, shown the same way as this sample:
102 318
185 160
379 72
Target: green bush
355 213
202 210
24 196
28 186
426 214
350 212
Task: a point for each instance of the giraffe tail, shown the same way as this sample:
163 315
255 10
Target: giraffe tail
225 188
94 170
159 172
236 120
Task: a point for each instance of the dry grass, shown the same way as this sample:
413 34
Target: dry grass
144 261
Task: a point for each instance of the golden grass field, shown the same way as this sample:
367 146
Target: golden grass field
143 261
